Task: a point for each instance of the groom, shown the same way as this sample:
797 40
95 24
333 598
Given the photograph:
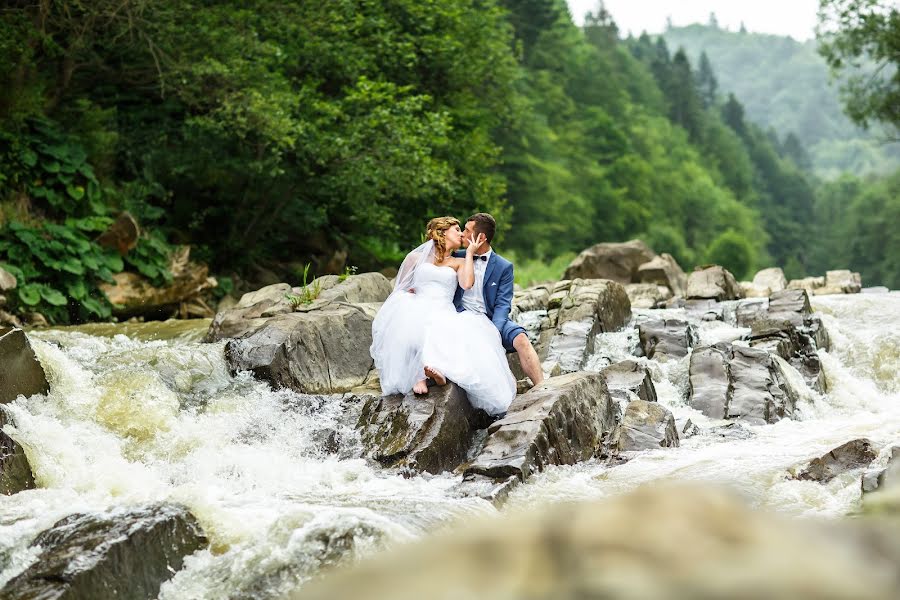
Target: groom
492 295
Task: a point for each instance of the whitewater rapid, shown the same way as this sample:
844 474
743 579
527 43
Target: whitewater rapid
150 414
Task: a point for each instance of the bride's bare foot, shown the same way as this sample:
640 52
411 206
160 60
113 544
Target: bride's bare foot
421 387
436 375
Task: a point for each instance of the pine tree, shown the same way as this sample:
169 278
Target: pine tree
682 94
706 82
793 150
733 115
713 21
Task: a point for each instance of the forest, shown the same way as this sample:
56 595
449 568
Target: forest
279 138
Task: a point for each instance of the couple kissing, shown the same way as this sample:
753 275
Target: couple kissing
448 318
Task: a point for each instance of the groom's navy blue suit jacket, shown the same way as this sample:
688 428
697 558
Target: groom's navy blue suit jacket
497 288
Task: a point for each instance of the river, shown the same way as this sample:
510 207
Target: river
145 412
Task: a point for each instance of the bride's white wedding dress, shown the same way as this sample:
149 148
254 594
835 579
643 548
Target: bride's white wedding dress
413 330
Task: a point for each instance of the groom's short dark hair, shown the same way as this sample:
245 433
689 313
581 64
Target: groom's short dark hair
484 223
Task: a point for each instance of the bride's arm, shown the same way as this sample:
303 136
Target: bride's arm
465 273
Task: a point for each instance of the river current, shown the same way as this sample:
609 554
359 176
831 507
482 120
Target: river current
146 413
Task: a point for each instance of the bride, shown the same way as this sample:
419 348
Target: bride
418 333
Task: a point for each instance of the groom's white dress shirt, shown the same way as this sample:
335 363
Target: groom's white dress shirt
473 298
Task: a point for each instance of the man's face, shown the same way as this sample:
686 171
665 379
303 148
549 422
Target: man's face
469 233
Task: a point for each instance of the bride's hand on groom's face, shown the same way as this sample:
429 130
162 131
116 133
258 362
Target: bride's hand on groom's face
475 246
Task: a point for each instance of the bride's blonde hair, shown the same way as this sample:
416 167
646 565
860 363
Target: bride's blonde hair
435 231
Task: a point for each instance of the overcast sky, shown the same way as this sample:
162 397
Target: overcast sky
796 18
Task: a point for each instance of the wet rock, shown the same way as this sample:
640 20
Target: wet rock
323 351
840 282
730 431
664 270
589 307
758 393
560 422
772 278
666 338
7 280
789 304
709 382
690 429
735 382
429 433
20 371
704 309
855 454
713 283
647 295
887 476
20 374
629 376
616 261
633 546
123 554
645 426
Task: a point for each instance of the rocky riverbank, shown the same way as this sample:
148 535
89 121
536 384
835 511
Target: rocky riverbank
594 407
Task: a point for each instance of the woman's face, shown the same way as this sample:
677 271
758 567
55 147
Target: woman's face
453 237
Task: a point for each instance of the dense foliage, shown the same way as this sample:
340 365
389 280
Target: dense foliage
271 135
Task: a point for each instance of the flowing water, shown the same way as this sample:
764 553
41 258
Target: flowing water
145 413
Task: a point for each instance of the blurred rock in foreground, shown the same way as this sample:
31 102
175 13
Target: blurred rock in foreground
662 541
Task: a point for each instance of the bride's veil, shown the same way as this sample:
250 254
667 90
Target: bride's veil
413 261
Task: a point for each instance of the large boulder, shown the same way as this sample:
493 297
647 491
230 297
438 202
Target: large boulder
616 261
664 270
645 426
840 282
560 422
122 235
533 298
855 454
786 326
121 554
20 374
772 278
322 351
713 282
736 382
588 307
362 288
664 339
280 298
665 540
429 433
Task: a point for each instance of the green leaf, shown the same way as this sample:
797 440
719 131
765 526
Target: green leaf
75 191
29 158
73 266
53 296
30 294
113 262
95 307
77 290
51 167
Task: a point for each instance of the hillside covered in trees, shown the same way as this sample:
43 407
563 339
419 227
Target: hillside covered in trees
269 135
786 85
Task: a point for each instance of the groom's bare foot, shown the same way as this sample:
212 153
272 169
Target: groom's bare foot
436 375
421 387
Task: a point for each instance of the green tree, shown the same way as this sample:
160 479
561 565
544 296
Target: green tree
860 39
